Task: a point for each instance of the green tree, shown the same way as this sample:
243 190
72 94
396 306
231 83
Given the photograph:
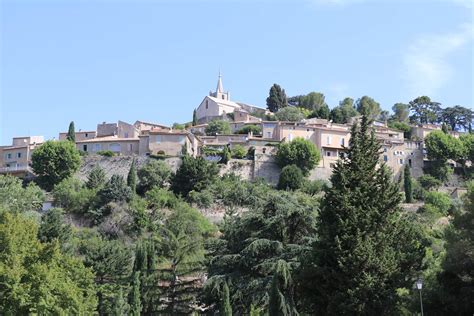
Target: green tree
218 127
225 307
429 182
115 190
226 155
71 195
441 201
277 99
407 184
15 198
457 117
401 111
278 301
53 227
342 113
193 174
366 248
238 152
71 133
96 178
424 110
400 126
36 278
457 287
154 173
178 126
120 307
135 298
254 129
291 178
132 177
54 161
289 113
195 120
368 107
299 152
323 112
312 101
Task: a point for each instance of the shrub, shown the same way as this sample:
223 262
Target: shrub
154 173
15 198
429 182
439 200
96 178
194 174
201 199
115 190
105 153
238 152
314 187
290 113
55 161
158 198
291 178
255 129
299 152
217 127
73 196
430 213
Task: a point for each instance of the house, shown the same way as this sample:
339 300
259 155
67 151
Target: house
79 135
16 158
118 145
217 105
167 142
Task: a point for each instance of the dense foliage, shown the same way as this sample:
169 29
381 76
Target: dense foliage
299 152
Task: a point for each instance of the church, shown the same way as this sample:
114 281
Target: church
218 106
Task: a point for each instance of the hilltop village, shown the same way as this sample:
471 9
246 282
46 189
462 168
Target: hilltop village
220 122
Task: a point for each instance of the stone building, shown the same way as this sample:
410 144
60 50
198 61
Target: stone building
16 158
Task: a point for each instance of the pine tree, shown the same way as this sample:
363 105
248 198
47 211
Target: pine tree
120 307
226 308
135 299
277 99
132 177
71 133
279 303
96 178
407 183
195 120
366 248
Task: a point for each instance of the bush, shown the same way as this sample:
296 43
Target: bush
314 187
73 196
255 129
154 173
115 190
55 161
429 182
291 178
403 127
96 178
238 152
299 152
158 198
194 174
201 199
105 153
218 127
15 198
430 213
439 200
290 113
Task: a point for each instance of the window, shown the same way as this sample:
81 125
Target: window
126 135
401 161
331 165
207 104
328 140
18 155
409 162
290 137
385 150
264 150
385 158
307 129
97 147
222 97
9 156
342 141
87 135
84 147
328 153
269 134
131 147
158 139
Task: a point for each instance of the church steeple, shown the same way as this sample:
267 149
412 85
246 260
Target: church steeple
220 94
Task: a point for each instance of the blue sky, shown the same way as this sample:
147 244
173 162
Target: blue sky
93 61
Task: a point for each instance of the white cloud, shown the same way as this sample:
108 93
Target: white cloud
426 64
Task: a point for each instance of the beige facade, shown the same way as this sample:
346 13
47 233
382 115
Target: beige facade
80 136
171 143
119 146
16 159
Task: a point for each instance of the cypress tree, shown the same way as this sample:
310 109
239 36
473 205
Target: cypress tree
407 183
71 133
276 99
226 308
120 306
132 177
195 120
135 299
366 248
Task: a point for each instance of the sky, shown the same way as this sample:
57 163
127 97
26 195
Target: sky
155 60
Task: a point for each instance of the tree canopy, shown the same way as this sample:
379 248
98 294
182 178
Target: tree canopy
277 99
299 152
